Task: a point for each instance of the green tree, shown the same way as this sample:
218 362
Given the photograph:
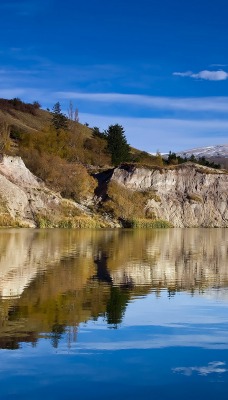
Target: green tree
59 120
97 133
172 158
117 144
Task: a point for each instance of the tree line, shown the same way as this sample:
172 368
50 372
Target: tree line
173 159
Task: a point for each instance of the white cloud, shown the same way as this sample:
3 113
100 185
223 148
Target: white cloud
219 75
196 104
219 65
211 75
187 73
164 134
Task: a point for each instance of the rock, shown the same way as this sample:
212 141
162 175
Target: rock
189 195
22 195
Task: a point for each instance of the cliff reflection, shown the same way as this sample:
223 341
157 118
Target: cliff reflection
52 280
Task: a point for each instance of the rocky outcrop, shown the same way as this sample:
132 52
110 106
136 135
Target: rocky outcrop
188 195
23 196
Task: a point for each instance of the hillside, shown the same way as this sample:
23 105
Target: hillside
63 177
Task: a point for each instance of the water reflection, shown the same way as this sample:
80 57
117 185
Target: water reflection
53 280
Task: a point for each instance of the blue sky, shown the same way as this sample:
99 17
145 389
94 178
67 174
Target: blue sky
158 67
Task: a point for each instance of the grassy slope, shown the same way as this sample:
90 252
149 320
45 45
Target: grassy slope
64 160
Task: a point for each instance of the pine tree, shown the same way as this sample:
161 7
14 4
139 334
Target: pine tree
59 120
117 144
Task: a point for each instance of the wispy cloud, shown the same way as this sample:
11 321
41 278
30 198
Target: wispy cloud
164 134
25 94
219 65
196 104
219 75
163 341
213 367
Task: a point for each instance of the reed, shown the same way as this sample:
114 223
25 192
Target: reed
149 223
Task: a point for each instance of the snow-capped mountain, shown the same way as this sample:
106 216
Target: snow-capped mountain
218 151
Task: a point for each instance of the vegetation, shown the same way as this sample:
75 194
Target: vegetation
71 222
123 203
195 197
6 221
71 180
66 155
173 159
149 223
117 144
59 120
4 136
60 149
142 158
19 105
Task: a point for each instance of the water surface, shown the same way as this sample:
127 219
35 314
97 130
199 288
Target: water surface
114 313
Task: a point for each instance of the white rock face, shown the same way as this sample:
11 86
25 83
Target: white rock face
22 195
14 169
190 195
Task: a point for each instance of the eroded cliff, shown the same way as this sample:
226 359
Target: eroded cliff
187 195
26 201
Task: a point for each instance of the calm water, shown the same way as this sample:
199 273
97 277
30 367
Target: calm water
114 314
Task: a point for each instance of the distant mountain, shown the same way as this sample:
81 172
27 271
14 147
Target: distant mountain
220 150
217 153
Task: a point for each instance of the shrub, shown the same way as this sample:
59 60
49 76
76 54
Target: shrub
6 221
70 179
123 203
149 223
19 105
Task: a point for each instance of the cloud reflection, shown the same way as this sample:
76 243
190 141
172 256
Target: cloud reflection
213 367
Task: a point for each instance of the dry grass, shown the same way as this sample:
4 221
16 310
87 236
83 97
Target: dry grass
195 197
6 221
123 203
149 223
43 221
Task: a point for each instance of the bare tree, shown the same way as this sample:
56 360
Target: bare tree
73 113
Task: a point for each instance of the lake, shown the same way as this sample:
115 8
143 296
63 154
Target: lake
127 314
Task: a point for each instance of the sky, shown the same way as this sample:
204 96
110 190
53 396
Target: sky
157 67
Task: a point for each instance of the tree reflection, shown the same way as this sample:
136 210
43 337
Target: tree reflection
103 274
119 296
52 281
116 305
56 333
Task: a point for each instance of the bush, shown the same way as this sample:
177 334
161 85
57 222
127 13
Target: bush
123 203
19 105
70 179
149 223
